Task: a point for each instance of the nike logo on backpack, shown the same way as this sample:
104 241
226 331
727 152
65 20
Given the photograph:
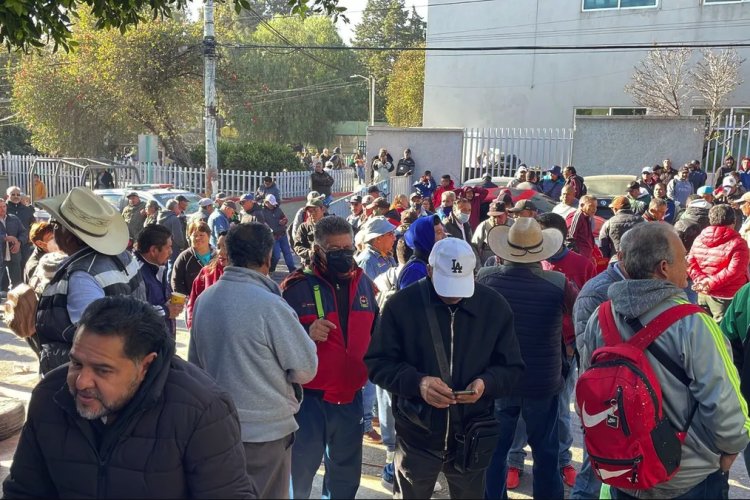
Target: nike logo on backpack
598 418
607 474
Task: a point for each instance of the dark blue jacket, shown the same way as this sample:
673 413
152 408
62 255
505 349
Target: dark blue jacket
158 290
537 300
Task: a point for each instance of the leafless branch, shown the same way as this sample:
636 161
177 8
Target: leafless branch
661 82
714 78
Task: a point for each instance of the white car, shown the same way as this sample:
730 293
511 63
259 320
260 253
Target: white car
161 193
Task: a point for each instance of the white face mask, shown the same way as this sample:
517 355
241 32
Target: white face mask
462 217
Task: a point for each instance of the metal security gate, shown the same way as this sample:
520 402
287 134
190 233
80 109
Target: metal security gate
732 137
500 151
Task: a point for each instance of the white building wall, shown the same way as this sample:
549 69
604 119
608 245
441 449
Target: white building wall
526 89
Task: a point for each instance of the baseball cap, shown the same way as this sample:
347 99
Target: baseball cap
633 185
555 170
415 195
379 203
132 193
377 226
522 168
205 202
496 208
452 261
366 200
248 197
620 202
704 190
487 175
647 170
355 199
373 189
729 181
230 204
523 205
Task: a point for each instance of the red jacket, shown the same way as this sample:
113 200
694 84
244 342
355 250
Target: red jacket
341 366
438 194
720 256
476 203
578 270
581 232
206 277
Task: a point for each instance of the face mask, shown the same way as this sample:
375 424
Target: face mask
340 261
463 218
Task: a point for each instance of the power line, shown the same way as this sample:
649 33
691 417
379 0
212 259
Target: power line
551 48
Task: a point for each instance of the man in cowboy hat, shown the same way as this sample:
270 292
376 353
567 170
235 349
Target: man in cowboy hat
94 236
525 285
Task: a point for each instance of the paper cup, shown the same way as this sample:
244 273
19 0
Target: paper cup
178 298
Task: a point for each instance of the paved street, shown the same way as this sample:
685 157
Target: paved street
18 376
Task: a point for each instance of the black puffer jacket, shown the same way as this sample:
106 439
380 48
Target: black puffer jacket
321 182
692 222
179 437
613 229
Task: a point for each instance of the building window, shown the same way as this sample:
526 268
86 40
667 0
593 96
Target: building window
723 1
619 4
610 111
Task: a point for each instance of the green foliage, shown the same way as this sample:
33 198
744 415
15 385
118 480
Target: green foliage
289 96
257 156
405 92
386 23
15 139
27 24
113 87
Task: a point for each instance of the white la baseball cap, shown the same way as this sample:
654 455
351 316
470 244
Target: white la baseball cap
452 261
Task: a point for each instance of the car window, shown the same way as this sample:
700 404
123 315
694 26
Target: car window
607 184
112 199
163 198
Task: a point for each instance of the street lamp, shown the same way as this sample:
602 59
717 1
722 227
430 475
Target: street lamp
371 81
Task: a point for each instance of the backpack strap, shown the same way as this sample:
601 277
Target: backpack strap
610 333
656 326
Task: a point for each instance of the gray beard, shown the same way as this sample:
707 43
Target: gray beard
107 407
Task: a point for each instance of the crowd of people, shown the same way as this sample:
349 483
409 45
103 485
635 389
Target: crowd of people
451 337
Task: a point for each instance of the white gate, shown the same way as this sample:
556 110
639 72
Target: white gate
732 137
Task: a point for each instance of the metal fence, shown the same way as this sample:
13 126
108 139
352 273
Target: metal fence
499 151
232 182
731 138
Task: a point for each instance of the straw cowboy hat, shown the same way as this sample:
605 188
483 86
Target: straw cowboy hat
525 241
90 218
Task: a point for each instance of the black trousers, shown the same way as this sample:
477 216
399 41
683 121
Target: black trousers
417 470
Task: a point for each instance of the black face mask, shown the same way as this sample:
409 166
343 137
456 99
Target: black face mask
340 262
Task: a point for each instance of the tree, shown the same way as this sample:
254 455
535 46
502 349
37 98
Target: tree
26 24
386 23
661 82
715 77
289 96
405 92
112 87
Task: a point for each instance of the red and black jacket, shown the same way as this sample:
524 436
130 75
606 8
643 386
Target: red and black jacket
341 369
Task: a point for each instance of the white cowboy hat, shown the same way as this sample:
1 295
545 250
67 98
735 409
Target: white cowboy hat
525 241
90 218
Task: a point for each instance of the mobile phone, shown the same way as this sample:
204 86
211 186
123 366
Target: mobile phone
465 393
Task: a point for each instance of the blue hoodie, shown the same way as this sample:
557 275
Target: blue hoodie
420 237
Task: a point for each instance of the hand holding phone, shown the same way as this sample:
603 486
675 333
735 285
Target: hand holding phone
465 393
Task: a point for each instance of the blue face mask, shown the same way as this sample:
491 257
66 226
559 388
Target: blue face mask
462 218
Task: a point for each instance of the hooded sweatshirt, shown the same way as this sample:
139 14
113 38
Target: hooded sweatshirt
696 344
420 237
260 362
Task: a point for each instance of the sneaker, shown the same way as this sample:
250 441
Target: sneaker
569 475
373 437
514 478
387 478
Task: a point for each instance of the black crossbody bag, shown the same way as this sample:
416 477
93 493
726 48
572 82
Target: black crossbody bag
476 443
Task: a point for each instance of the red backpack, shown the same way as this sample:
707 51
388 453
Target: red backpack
630 442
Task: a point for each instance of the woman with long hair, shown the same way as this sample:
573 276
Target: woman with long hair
189 263
207 276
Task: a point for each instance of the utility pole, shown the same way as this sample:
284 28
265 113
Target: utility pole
371 83
209 93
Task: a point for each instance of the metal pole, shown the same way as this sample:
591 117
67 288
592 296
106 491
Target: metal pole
209 92
372 100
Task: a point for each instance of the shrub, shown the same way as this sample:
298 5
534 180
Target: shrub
251 156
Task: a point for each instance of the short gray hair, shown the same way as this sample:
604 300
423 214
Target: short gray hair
171 204
644 246
331 225
656 203
11 189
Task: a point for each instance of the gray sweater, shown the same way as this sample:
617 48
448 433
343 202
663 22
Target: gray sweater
252 343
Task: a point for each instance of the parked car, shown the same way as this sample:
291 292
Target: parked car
605 188
161 193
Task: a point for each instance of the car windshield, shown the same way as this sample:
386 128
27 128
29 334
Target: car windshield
113 199
607 185
163 198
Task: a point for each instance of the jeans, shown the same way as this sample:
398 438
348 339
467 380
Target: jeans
361 174
281 247
14 272
540 415
715 485
333 432
385 415
517 454
587 483
418 469
368 403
